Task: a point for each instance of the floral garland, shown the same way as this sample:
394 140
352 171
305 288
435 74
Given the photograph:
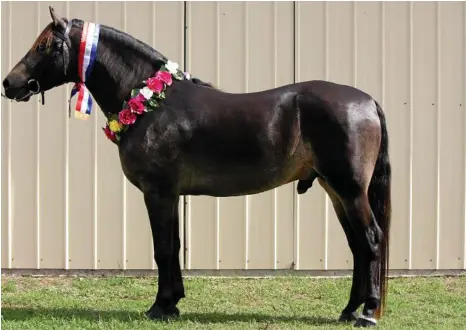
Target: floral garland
143 100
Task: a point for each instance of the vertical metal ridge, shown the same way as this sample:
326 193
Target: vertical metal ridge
246 89
188 248
124 190
297 41
217 43
296 232
10 213
184 35
37 155
188 199
355 45
438 133
464 134
383 59
382 45
182 199
188 36
326 203
275 190
67 168
181 231
95 172
275 44
217 233
217 199
275 225
154 4
154 13
411 135
297 37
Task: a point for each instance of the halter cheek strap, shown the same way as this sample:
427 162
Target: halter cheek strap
86 61
66 47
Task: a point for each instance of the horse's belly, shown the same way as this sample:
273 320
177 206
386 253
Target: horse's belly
230 185
243 180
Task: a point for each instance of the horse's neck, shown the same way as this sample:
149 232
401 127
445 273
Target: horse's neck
118 68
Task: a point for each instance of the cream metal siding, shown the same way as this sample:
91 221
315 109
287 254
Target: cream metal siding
67 205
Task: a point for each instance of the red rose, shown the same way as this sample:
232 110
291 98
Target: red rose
155 84
110 135
127 117
139 98
136 106
165 76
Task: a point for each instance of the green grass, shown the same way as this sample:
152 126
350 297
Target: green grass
224 303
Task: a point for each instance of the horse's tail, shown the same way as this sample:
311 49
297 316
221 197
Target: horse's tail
380 202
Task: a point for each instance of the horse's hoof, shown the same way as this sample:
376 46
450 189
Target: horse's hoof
348 317
157 313
364 321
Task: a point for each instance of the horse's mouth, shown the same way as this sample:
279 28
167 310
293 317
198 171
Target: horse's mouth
21 95
24 99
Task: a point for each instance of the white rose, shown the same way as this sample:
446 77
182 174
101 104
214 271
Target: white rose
172 67
146 92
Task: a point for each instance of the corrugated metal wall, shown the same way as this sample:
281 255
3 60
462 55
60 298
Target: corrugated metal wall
66 204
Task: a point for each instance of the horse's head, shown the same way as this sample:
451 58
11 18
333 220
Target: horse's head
45 65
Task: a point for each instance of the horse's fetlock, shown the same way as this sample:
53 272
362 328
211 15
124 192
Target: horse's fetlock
372 304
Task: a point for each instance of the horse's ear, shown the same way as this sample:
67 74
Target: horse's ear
57 20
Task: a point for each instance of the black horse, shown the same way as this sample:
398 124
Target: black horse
203 141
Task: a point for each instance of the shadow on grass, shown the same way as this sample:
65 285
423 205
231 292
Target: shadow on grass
22 314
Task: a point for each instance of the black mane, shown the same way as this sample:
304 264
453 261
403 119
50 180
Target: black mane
140 45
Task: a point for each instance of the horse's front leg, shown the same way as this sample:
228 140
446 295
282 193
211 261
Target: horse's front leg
177 278
160 206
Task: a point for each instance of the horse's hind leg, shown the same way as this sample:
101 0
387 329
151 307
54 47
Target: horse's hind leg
369 238
350 152
349 175
358 287
365 244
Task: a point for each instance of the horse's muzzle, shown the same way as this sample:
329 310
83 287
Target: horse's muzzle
22 93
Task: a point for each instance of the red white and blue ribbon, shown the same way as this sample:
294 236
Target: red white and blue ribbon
86 61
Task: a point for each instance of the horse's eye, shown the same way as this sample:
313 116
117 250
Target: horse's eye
41 48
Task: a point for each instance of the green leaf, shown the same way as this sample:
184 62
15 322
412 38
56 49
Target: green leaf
134 92
153 103
179 75
112 116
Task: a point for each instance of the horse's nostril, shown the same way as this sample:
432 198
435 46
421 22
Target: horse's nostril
6 83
